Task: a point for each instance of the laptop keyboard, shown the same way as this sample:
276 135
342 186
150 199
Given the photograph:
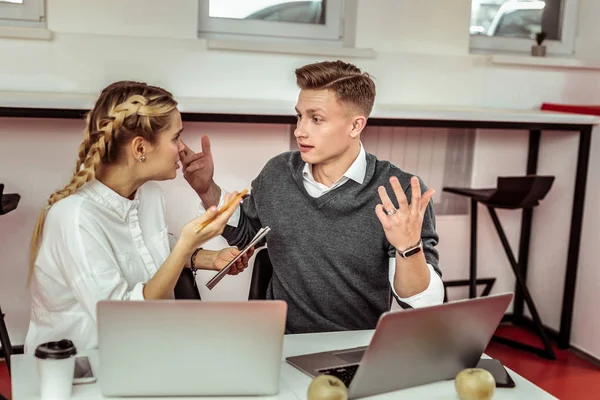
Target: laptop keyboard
345 374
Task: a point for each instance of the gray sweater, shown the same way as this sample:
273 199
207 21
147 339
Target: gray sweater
330 255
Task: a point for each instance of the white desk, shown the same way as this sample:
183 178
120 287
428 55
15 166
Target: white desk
293 382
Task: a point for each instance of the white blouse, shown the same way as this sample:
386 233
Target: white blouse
96 245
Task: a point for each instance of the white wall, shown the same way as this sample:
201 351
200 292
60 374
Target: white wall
422 59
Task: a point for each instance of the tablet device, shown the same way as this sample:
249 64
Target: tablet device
257 238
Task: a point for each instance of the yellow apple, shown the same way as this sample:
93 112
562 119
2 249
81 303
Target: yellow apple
327 387
474 384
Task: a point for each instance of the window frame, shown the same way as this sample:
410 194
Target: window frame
563 47
30 13
331 31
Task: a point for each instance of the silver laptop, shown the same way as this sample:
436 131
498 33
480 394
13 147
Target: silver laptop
190 347
413 347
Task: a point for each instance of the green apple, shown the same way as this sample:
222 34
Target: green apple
474 384
327 387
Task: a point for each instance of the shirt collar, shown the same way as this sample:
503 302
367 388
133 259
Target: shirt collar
356 172
114 201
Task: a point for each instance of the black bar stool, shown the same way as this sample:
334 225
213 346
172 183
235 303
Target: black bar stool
512 192
8 202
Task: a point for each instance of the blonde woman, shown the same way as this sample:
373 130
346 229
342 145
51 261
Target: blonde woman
104 235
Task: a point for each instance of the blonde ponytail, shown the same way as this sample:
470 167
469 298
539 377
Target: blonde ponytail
90 162
124 110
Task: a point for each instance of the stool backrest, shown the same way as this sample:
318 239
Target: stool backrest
8 202
521 191
1 191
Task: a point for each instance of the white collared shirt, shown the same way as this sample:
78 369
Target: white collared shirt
96 245
433 295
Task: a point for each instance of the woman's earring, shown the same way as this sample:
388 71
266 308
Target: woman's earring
142 158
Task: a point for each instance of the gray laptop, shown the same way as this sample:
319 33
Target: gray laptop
190 347
413 347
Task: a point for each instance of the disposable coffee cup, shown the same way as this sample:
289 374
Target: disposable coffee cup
56 364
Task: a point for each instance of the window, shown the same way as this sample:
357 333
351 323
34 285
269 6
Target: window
511 25
519 23
28 13
316 20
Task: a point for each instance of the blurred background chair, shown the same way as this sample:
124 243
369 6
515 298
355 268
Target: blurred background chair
8 202
186 287
261 275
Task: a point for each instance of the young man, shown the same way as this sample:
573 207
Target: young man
338 242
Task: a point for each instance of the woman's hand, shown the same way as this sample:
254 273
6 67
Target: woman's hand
193 240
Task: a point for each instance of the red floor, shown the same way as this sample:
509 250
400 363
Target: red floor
567 378
4 380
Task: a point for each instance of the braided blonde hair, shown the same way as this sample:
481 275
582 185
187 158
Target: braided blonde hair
123 111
